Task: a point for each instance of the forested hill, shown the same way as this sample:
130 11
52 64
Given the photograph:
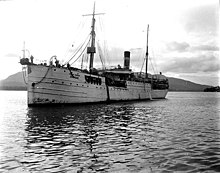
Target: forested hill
176 84
13 82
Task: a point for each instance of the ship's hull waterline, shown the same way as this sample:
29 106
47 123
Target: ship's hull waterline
53 85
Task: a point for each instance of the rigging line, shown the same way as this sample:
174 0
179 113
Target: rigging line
71 43
87 59
101 55
142 65
106 52
77 50
82 62
79 47
82 51
100 24
152 65
77 35
81 29
99 29
142 54
100 33
105 45
154 61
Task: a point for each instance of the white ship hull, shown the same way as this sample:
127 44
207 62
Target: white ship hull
53 85
68 85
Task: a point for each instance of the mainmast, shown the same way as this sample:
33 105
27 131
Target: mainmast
92 49
147 52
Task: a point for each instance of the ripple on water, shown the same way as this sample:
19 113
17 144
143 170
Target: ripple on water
161 136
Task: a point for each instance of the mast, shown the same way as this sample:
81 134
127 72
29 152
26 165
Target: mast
92 49
147 52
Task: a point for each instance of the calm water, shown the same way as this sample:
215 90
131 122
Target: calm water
180 133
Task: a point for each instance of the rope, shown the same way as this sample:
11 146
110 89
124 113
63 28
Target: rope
77 51
77 34
44 76
23 75
101 56
105 44
38 81
154 61
142 66
152 65
82 51
70 71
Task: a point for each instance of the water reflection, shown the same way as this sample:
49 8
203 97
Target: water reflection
78 138
179 134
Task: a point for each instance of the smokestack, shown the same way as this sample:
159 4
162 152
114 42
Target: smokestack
126 59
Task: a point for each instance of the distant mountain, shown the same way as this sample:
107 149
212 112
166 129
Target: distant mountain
176 84
13 82
16 82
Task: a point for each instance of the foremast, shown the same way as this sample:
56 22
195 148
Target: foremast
92 49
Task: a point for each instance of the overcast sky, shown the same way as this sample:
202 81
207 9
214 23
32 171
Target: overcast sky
183 38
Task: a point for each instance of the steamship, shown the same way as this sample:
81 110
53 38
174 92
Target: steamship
64 84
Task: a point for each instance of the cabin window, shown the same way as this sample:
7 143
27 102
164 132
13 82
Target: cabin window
93 80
